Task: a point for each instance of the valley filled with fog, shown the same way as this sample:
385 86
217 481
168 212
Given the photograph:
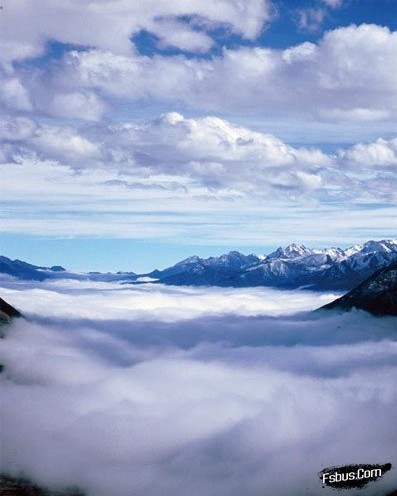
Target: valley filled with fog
152 390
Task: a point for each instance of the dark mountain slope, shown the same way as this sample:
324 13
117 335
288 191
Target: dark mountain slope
7 311
377 294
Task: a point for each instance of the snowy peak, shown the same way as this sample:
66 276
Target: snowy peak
385 245
291 251
231 259
291 267
190 260
208 271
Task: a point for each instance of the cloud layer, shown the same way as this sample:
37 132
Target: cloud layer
70 179
213 405
209 151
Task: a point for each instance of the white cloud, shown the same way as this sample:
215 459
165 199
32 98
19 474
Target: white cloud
213 406
333 3
22 136
14 95
16 128
310 19
64 144
210 150
85 105
11 51
111 25
43 198
177 34
206 178
381 153
347 74
355 115
103 301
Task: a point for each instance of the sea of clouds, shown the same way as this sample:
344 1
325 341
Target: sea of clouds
157 391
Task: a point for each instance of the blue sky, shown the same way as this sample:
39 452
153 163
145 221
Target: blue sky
186 127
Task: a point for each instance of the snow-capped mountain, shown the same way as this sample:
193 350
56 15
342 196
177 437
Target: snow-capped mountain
209 271
377 294
291 267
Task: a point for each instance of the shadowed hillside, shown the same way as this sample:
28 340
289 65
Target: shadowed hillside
7 311
377 294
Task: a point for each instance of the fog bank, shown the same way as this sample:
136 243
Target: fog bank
169 398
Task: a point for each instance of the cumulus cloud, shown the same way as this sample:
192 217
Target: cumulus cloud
13 94
24 137
85 105
212 150
26 27
209 150
381 153
27 32
211 404
346 74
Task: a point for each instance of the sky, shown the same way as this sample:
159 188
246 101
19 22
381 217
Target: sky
150 390
135 134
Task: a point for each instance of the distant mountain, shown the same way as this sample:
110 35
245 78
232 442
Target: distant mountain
7 311
295 266
23 270
288 268
377 294
29 272
211 271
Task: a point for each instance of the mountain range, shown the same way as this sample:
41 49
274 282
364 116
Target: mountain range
292 267
295 266
376 294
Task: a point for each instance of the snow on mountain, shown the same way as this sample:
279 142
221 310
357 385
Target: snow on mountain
291 251
291 267
205 271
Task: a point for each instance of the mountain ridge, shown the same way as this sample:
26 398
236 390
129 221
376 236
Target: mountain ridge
287 268
292 267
